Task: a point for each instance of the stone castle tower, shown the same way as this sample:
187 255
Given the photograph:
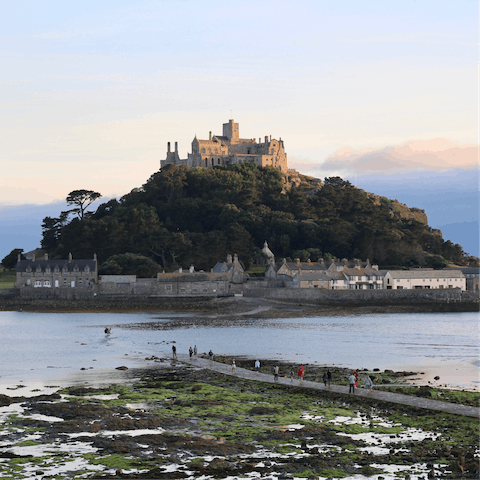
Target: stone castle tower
230 149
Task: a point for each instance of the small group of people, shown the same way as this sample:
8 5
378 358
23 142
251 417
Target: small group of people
327 378
353 382
108 330
193 352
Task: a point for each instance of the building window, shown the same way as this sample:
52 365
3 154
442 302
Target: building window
80 281
38 283
47 283
168 288
28 281
203 150
87 269
64 281
47 270
182 290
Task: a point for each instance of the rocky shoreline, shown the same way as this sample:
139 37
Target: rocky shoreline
180 421
222 305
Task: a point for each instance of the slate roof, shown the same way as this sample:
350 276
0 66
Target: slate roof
466 270
22 265
406 274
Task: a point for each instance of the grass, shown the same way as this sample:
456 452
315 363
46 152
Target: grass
8 278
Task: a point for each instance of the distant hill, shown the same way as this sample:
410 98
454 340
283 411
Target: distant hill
184 216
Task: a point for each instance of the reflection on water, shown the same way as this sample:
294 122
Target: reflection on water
44 344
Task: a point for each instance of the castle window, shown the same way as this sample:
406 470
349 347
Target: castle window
203 150
39 269
47 283
65 270
57 270
218 160
28 281
64 281
38 283
47 270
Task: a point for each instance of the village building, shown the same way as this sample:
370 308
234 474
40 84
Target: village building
471 275
424 279
230 149
232 268
332 275
45 273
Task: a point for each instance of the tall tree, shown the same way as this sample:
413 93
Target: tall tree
82 199
10 261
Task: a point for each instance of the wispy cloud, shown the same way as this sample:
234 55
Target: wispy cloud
419 155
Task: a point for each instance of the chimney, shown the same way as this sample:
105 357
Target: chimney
33 257
19 257
176 147
95 256
297 261
235 258
270 138
210 136
45 257
191 269
70 258
266 138
168 147
229 258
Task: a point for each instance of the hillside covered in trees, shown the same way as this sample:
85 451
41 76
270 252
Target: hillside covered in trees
187 216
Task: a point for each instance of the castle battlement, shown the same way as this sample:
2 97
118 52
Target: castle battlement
230 149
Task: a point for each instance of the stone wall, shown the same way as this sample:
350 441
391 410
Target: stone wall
362 297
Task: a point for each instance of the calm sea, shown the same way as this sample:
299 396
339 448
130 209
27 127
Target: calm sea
49 346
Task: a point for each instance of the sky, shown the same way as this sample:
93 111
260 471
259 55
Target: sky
384 94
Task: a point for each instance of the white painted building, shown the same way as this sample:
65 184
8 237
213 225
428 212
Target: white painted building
421 279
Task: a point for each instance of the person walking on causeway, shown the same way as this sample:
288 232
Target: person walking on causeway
174 352
351 380
301 373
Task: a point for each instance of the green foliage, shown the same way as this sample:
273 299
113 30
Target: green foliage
9 262
129 264
7 278
184 216
81 199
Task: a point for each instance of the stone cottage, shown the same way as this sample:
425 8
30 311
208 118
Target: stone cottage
62 274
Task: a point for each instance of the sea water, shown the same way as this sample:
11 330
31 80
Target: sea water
49 346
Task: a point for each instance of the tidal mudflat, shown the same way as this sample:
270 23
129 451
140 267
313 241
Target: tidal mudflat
178 421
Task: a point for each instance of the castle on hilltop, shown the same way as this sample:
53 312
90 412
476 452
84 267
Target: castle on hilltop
230 149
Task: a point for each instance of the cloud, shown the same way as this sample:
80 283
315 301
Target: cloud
436 154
